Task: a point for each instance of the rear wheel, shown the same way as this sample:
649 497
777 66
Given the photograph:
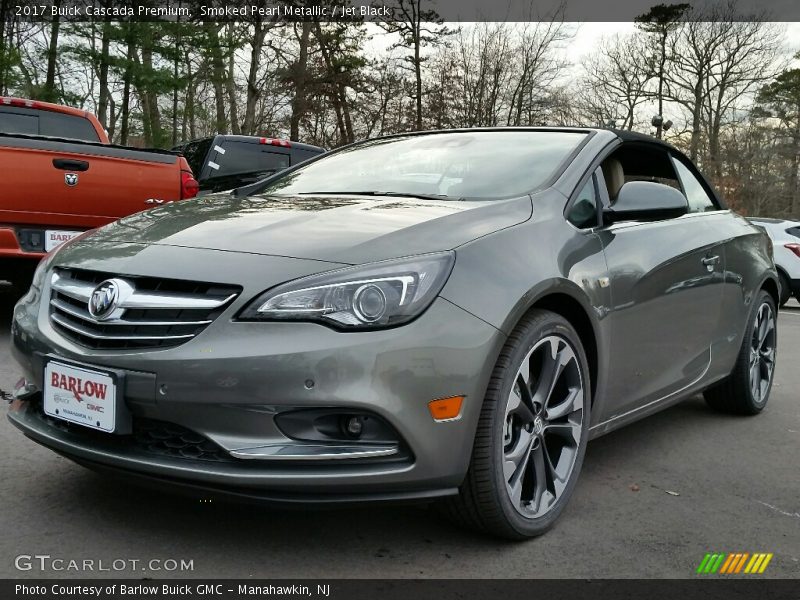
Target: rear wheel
747 389
785 289
531 435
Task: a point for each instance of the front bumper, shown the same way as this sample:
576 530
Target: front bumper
230 382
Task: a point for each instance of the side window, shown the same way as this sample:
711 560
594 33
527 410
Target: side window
638 162
699 200
583 212
794 231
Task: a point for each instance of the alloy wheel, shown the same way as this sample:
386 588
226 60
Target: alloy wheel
543 426
762 353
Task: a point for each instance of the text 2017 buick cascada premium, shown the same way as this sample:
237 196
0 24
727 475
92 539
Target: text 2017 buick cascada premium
445 316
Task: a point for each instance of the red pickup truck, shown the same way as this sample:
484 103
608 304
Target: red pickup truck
62 177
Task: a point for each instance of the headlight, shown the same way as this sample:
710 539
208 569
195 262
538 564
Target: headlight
370 296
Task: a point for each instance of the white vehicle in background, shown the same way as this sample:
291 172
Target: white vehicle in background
785 237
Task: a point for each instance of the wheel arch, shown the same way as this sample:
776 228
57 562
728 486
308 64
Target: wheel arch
771 286
566 299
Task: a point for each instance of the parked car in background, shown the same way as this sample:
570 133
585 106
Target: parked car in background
785 236
224 162
57 185
444 316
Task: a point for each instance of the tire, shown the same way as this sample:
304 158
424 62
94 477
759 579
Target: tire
560 435
741 393
785 289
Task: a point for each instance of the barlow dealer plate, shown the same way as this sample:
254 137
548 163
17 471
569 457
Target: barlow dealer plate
54 238
80 395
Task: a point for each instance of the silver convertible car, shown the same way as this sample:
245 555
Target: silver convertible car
442 316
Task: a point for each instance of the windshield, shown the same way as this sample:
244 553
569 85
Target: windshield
475 164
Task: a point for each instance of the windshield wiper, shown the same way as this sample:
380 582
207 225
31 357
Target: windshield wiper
377 193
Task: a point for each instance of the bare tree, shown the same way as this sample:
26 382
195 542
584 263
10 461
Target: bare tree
717 59
538 65
417 28
253 90
615 80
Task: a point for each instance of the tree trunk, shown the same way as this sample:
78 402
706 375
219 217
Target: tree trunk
230 83
418 71
105 94
4 66
112 119
697 107
253 93
793 183
150 97
126 88
50 94
176 83
338 94
300 76
190 98
218 78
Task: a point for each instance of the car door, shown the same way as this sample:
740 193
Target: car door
666 289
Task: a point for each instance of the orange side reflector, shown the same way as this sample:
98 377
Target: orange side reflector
445 408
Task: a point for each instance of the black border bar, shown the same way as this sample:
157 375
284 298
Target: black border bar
710 588
379 10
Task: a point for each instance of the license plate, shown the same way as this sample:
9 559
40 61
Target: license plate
80 395
53 238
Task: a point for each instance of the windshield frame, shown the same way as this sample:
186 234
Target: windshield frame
588 134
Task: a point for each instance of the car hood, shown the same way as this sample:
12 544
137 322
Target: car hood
341 229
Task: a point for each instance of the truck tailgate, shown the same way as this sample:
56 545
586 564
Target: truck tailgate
81 185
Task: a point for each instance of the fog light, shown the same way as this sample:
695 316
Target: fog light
354 426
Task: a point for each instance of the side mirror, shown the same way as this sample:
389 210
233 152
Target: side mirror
646 201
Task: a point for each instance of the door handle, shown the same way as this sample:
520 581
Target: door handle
70 164
710 262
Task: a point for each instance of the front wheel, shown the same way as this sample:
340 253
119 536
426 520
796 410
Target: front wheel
532 432
747 388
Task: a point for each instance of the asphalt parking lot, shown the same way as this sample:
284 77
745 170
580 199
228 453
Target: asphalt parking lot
653 498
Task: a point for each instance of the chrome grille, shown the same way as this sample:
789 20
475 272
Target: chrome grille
153 313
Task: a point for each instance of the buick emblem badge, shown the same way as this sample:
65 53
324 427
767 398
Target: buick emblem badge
71 179
104 299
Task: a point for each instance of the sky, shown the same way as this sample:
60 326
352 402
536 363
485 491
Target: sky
587 36
590 33
585 40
